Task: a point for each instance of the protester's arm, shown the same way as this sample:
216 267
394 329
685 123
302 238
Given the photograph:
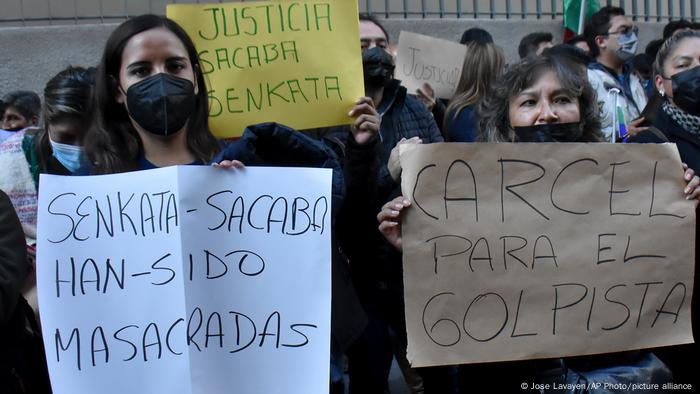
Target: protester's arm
360 163
13 258
365 128
439 117
436 106
429 127
361 156
390 221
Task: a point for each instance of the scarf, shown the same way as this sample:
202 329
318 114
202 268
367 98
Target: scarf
688 122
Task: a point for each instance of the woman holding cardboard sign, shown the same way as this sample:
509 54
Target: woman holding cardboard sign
537 100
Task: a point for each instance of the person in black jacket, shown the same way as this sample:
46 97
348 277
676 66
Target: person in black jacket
375 266
352 162
22 360
677 119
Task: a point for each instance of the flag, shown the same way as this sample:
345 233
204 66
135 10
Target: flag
572 12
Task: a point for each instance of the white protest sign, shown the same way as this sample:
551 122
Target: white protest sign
423 59
523 251
186 279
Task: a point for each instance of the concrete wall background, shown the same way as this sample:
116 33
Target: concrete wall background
506 33
32 55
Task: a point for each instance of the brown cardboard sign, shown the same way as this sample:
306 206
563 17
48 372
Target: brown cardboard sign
524 251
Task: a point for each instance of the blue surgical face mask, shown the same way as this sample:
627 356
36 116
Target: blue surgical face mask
70 156
628 46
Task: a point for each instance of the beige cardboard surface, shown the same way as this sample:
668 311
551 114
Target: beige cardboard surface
422 59
521 251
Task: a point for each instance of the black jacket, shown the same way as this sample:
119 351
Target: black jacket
402 116
375 263
13 258
687 143
272 144
22 358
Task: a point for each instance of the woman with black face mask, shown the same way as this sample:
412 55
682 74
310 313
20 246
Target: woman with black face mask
150 100
677 80
677 120
151 104
543 99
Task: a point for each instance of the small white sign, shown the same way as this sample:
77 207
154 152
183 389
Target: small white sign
424 59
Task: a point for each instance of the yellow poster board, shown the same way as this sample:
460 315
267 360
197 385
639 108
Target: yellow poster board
294 62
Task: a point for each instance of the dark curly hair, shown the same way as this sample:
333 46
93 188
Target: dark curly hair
495 121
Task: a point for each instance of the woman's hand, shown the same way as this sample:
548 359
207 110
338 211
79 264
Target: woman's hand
390 220
229 164
634 128
692 189
366 125
394 162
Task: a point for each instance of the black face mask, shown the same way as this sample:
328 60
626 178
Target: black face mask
686 90
378 67
550 132
161 104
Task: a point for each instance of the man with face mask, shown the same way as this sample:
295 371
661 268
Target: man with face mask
613 40
375 266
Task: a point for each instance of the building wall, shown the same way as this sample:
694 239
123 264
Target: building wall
32 55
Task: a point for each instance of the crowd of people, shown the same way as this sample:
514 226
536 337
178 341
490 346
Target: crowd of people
145 106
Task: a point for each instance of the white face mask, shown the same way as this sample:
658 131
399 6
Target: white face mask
70 156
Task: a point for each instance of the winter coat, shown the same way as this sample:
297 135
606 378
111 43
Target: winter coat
272 144
632 98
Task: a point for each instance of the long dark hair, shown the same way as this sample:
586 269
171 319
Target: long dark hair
493 111
113 145
67 97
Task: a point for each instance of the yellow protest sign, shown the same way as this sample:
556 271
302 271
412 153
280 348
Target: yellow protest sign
292 62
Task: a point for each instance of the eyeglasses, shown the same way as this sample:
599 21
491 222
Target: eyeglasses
626 30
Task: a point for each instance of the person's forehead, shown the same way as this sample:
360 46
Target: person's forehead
547 81
11 110
369 30
153 40
72 126
619 20
689 47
